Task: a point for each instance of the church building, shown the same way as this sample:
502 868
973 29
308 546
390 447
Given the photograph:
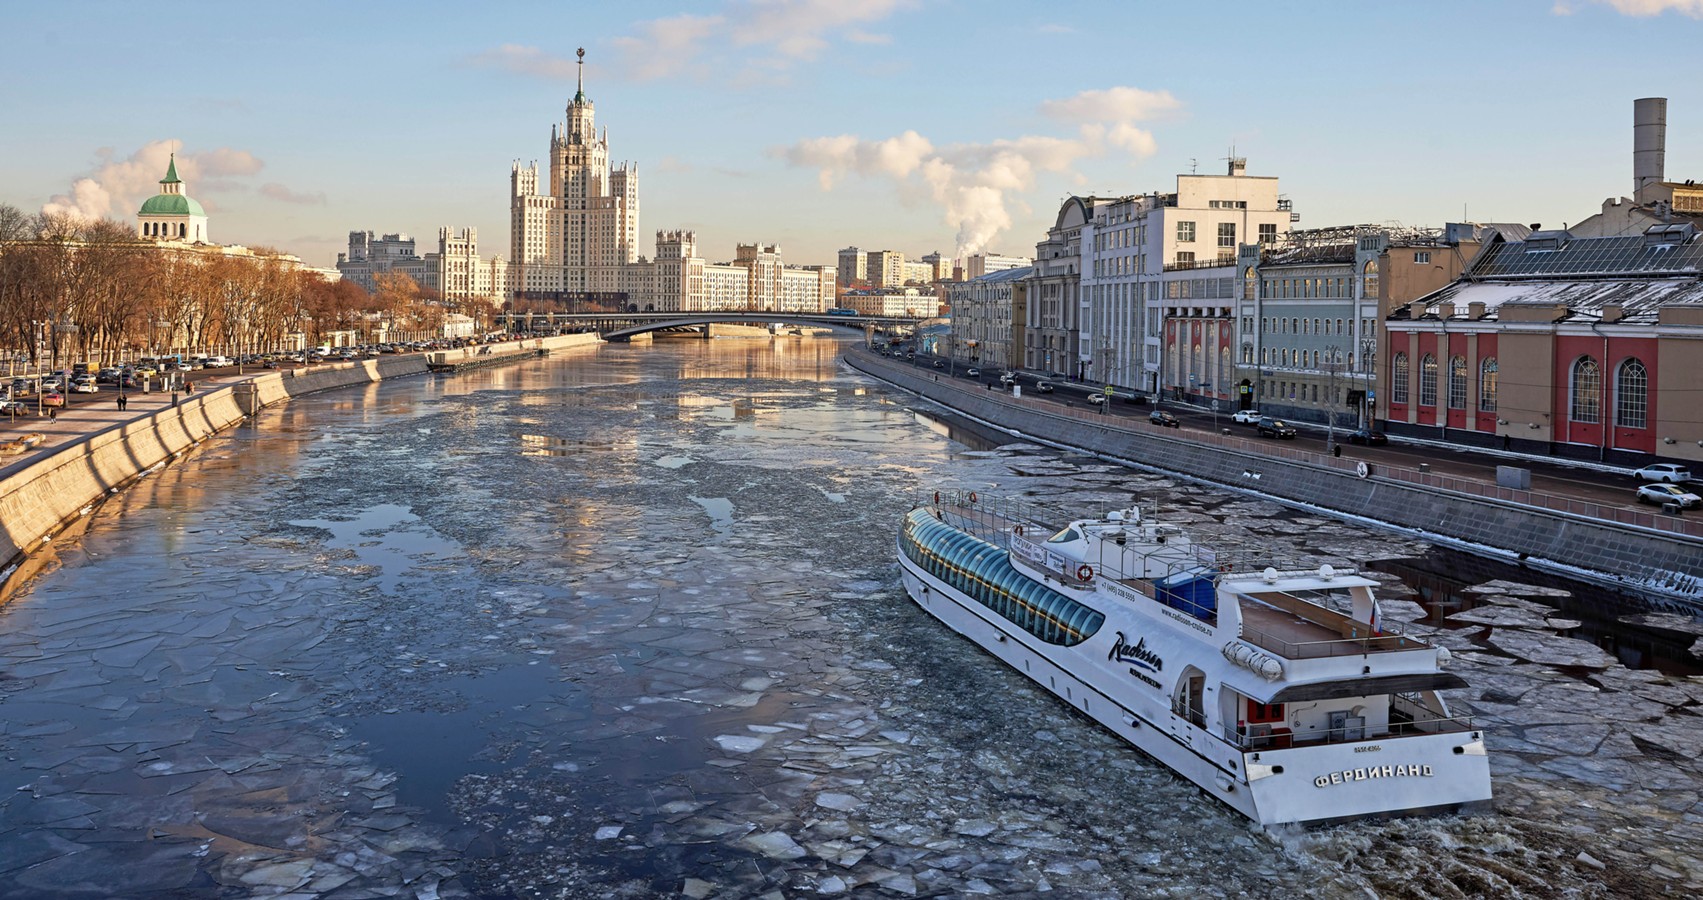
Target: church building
171 215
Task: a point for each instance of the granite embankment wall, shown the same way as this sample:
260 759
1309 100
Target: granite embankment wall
1646 558
42 495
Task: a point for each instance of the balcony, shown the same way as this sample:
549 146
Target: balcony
1214 263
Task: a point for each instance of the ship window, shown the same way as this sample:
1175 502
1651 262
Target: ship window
1065 537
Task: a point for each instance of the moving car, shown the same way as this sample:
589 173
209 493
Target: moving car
1008 379
1667 493
14 408
52 398
1163 419
1368 437
1247 416
1670 473
1043 387
1277 428
85 384
1096 399
974 372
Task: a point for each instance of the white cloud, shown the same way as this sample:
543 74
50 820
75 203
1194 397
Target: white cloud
975 185
665 46
524 60
1117 104
746 41
1635 8
118 186
283 194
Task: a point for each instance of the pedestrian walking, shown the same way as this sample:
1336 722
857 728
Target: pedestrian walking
53 414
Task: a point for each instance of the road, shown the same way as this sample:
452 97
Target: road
1550 477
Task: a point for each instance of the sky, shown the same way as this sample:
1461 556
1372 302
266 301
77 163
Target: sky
910 125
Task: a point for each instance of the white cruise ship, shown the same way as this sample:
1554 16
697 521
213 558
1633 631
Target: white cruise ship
1245 680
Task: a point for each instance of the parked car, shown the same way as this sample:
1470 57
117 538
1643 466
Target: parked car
1669 473
1043 387
1247 416
1163 419
1668 493
1368 437
1277 428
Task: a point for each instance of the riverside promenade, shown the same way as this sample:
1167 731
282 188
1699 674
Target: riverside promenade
92 448
1627 548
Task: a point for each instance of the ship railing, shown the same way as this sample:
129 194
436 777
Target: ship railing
1268 737
1349 646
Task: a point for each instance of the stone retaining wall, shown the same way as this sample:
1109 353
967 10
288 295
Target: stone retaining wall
1640 558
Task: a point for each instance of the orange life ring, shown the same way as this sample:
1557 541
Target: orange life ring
1084 572
937 496
972 496
1017 530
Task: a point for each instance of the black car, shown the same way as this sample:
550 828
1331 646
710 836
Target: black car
1368 437
1277 428
1163 419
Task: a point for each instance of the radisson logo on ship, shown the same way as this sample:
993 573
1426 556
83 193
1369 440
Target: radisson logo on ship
1138 654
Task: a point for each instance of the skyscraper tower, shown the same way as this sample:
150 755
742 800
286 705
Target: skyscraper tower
570 241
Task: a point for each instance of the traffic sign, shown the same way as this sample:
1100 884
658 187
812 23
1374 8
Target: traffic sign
1108 390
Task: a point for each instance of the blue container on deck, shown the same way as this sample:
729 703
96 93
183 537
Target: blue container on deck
1190 592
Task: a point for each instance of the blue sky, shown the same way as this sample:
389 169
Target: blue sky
914 125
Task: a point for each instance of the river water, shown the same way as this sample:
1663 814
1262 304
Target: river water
626 623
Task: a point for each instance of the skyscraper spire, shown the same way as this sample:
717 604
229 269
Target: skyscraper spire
579 95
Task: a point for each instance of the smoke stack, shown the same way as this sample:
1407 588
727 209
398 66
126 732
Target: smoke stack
1649 142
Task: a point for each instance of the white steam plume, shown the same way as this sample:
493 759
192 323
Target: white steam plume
117 187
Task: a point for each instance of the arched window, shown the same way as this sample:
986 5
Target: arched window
1250 282
1585 391
1487 384
1631 394
1428 380
1398 378
1285 356
1247 353
1370 288
1457 382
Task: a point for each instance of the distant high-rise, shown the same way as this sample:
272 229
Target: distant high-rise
572 238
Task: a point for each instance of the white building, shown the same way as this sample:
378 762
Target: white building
1144 254
461 275
982 317
911 302
757 280
988 263
171 215
853 267
572 238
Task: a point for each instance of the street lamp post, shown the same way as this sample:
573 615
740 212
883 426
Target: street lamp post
1330 400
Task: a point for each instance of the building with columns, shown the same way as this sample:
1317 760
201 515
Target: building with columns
172 215
1147 256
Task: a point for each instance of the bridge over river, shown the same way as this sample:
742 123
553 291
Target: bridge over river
620 326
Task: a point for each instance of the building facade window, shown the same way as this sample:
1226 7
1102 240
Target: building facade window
1183 257
1422 257
1585 391
1185 232
1268 233
1487 385
1428 380
1457 382
1398 378
1631 394
1369 278
1226 234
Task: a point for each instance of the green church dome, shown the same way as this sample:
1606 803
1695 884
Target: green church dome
171 205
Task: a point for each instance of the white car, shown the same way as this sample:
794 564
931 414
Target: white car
1247 416
1096 399
1669 473
1008 378
973 372
1667 493
85 385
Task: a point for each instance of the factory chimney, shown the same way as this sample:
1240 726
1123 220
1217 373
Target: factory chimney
1649 143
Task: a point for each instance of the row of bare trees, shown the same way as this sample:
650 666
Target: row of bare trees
73 289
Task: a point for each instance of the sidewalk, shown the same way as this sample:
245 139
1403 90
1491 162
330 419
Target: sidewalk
81 419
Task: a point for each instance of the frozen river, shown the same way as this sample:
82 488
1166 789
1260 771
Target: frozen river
626 623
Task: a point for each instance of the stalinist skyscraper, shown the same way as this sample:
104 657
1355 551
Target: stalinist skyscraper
573 237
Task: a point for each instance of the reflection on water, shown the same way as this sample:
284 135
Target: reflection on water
365 648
